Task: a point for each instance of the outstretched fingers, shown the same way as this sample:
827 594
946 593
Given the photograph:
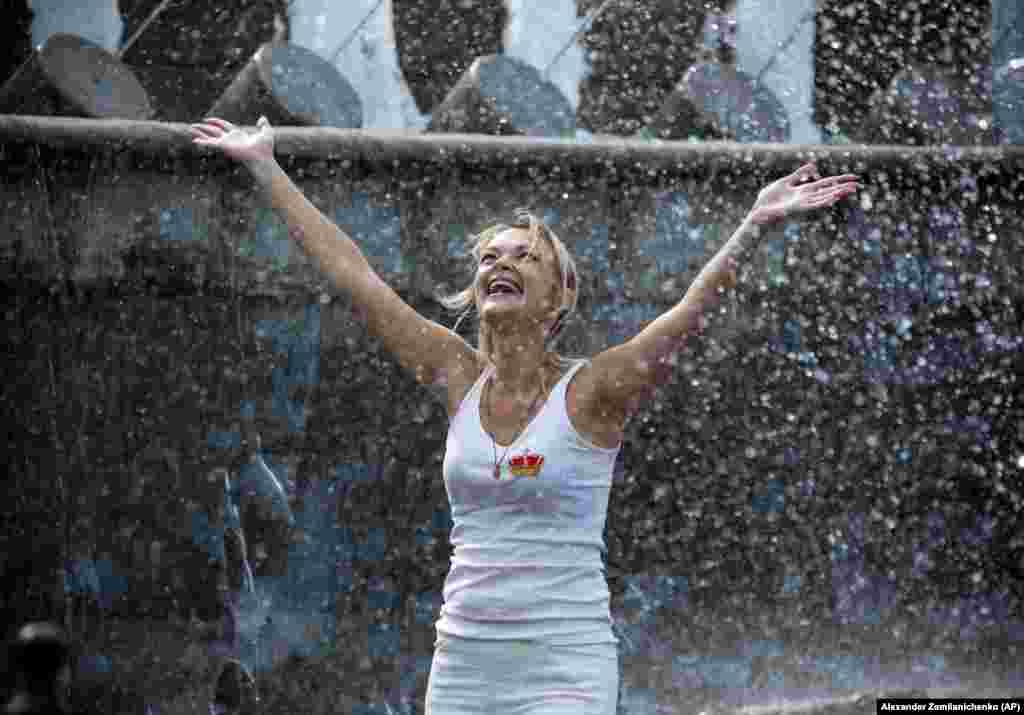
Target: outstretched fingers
222 123
204 131
212 128
833 188
831 182
828 198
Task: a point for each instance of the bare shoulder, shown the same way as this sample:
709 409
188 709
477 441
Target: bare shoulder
594 418
463 370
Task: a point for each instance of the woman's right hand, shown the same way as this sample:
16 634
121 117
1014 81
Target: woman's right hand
250 148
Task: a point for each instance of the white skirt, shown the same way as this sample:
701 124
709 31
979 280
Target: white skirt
502 677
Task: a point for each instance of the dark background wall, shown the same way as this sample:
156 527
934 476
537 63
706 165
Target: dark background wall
861 46
836 464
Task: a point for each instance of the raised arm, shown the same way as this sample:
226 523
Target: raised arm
427 349
621 375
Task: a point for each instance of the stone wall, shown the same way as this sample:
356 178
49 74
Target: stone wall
835 465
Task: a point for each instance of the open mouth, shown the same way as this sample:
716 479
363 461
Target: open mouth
503 286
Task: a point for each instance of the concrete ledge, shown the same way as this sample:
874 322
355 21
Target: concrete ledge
138 204
382 147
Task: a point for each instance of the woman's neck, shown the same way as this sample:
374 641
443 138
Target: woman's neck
520 367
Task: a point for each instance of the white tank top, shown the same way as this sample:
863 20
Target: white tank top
527 547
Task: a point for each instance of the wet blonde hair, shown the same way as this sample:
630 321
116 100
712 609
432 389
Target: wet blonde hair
464 301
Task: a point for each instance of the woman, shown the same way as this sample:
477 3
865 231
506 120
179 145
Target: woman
532 440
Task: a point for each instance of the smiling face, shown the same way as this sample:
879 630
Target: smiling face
517 274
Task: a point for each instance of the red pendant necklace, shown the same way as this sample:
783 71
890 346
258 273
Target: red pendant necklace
494 442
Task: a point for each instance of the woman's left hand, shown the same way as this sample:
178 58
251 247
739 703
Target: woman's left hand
802 191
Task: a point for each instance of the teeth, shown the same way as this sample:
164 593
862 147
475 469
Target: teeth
502 284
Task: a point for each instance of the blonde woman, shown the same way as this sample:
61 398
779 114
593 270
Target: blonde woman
525 627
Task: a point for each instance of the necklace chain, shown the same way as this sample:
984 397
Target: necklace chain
494 442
